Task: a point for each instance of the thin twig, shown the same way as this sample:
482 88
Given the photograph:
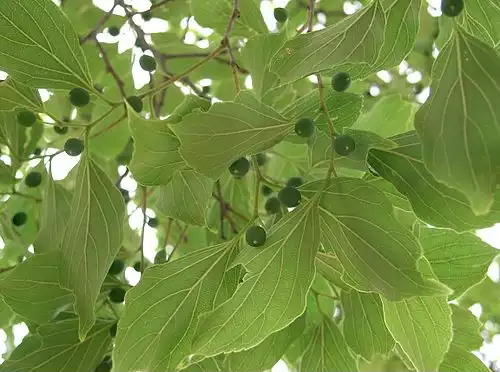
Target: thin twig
258 177
222 209
144 202
110 69
168 229
179 242
92 33
109 127
5 269
153 6
183 38
235 14
229 208
17 193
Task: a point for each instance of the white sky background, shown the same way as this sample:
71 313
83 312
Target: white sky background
63 163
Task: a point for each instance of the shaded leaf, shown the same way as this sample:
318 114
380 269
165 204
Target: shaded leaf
331 269
14 95
13 135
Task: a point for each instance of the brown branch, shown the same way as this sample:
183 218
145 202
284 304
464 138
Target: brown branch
92 34
229 208
110 69
235 14
109 127
179 242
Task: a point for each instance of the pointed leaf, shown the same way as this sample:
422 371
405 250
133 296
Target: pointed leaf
39 47
329 266
13 135
481 18
14 95
93 237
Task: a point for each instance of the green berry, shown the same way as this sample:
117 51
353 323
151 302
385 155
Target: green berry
280 15
153 222
37 151
341 81
205 89
240 167
126 195
273 205
137 266
266 190
344 144
74 146
113 329
116 267
33 179
452 8
418 88
295 182
304 127
79 97
113 30
289 196
60 130
255 236
261 158
26 118
160 257
147 15
135 102
147 63
19 219
104 366
117 294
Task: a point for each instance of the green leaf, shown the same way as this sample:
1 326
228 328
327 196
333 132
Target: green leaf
364 328
13 135
39 46
458 260
266 354
481 18
186 197
423 328
389 116
272 294
14 95
216 15
326 350
329 266
56 347
6 174
32 289
206 365
459 124
111 134
54 214
92 239
212 140
161 312
432 201
377 252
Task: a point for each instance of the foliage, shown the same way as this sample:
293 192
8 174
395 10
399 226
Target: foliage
314 214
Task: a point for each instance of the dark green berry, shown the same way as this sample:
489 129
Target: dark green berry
113 30
341 81
273 205
418 88
304 127
289 196
99 88
135 102
255 236
117 294
261 158
104 366
26 118
295 182
137 266
37 151
206 89
147 63
113 329
73 146
126 195
79 97
153 222
147 15
33 179
19 219
266 190
60 130
240 167
280 15
116 267
160 257
452 8
344 144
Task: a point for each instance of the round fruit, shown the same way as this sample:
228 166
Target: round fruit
266 190
113 31
26 118
137 266
280 15
79 97
153 222
289 196
261 158
344 144
19 219
452 8
60 130
273 205
295 182
126 195
341 81
147 15
160 257
117 294
73 146
104 366
112 330
147 63
240 167
116 267
304 127
37 151
206 89
33 179
255 236
135 102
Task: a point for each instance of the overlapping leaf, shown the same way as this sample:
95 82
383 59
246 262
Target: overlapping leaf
331 269
481 18
459 125
272 294
39 47
14 95
92 239
12 135
377 252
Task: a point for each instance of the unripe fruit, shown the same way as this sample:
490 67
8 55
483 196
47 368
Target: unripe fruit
344 144
135 102
280 15
273 205
117 295
19 219
289 196
341 81
255 236
240 167
74 146
304 127
26 118
116 267
147 63
79 97
33 179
